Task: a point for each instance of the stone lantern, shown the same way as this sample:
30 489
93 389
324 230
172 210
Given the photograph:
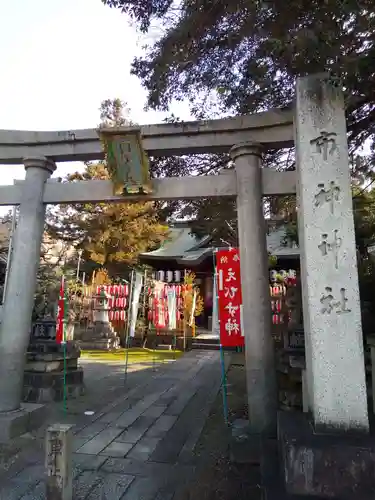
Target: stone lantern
102 335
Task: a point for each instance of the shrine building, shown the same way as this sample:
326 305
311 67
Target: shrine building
184 251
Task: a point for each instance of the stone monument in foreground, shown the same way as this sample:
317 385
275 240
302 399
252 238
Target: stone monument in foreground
46 362
331 456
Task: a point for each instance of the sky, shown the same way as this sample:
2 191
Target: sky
59 59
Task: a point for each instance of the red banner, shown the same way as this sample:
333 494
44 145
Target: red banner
60 314
229 297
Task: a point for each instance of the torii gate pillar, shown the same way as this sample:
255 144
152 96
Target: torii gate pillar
259 351
19 300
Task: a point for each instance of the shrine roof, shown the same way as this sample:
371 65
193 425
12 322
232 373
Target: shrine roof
180 243
187 249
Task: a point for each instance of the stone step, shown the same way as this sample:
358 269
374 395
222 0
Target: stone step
209 341
100 345
164 347
205 345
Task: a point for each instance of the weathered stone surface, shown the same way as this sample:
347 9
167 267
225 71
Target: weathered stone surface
182 400
326 466
142 488
56 379
30 473
256 306
21 282
162 425
96 435
186 454
84 483
245 448
14 490
47 395
137 467
130 416
59 462
37 493
117 449
46 386
331 307
154 411
51 366
170 446
14 424
99 345
134 433
91 430
144 448
50 350
88 462
274 127
111 487
100 441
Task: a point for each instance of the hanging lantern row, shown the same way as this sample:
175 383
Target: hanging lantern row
117 302
117 315
113 290
168 276
276 306
277 290
278 319
177 289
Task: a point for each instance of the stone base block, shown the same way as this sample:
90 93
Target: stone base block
325 466
14 424
245 447
39 349
53 379
51 394
44 387
100 344
51 366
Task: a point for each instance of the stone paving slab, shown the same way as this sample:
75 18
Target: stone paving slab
144 448
186 453
84 483
111 416
134 433
14 490
130 416
88 462
163 424
117 449
155 411
145 469
142 489
100 441
91 430
37 493
110 487
169 448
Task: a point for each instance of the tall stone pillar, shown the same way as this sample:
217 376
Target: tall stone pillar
259 350
331 306
19 300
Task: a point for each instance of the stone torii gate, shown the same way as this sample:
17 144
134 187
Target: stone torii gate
332 321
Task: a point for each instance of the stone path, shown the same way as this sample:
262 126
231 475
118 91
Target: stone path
138 446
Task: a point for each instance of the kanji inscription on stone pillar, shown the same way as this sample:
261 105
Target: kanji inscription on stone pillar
59 462
330 294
